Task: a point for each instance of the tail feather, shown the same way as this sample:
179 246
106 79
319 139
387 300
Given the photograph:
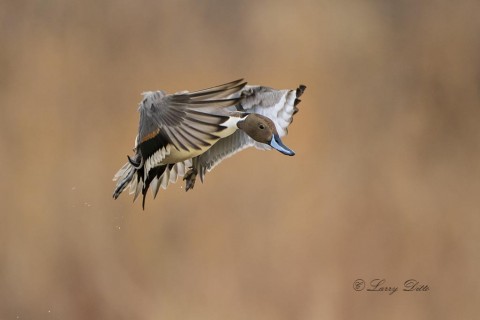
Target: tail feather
133 179
124 176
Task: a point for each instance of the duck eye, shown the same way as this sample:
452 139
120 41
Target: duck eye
261 126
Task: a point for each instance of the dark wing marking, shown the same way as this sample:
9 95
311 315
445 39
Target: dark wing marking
152 142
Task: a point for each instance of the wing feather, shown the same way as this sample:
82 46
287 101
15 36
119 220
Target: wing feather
221 150
178 113
219 91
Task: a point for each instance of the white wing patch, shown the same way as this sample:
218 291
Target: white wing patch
155 160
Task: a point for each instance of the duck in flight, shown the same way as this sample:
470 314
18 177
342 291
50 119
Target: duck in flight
197 130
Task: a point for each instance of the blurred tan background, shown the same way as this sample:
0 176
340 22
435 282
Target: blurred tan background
385 183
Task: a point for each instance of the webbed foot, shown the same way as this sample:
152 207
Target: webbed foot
190 178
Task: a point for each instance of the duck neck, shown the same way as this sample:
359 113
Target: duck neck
241 119
234 120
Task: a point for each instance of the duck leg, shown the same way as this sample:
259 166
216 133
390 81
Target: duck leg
191 175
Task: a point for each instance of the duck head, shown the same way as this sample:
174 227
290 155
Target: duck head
262 129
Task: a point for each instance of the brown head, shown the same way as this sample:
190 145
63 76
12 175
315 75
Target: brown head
262 129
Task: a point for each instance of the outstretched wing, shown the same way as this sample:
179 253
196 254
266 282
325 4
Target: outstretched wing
221 150
278 105
181 121
178 121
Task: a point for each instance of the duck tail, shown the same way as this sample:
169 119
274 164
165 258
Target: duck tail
124 176
153 175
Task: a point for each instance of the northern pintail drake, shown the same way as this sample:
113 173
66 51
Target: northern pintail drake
197 130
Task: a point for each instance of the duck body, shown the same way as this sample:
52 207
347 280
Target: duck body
197 130
185 144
